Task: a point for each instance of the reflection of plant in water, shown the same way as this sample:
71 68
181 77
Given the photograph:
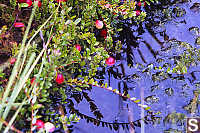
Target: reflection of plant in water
188 58
69 23
174 118
173 131
192 106
148 119
105 86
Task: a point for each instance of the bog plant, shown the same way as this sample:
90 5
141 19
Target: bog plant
65 49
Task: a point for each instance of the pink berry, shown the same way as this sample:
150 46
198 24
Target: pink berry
29 2
39 124
59 79
49 127
107 5
78 47
137 12
39 3
99 24
110 61
12 61
18 24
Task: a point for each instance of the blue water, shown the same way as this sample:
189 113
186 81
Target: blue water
114 108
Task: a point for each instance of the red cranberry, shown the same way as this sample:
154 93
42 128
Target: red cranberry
59 79
110 61
78 47
22 1
18 24
114 13
33 80
103 33
12 61
61 0
138 12
39 124
144 3
140 3
29 2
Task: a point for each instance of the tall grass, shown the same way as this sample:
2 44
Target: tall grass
18 78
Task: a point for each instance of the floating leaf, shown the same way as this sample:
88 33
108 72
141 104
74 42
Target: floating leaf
137 101
147 108
128 96
106 85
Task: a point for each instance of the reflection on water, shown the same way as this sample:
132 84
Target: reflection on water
153 44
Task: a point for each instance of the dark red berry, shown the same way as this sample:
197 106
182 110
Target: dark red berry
59 79
138 12
144 4
33 80
103 33
141 3
110 61
22 1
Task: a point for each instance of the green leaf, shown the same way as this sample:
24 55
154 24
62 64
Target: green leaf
23 5
37 106
69 80
1 75
91 81
119 29
128 95
95 83
82 63
78 89
184 69
168 69
106 85
147 2
147 108
137 101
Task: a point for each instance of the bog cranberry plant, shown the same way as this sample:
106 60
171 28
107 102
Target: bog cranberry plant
65 42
